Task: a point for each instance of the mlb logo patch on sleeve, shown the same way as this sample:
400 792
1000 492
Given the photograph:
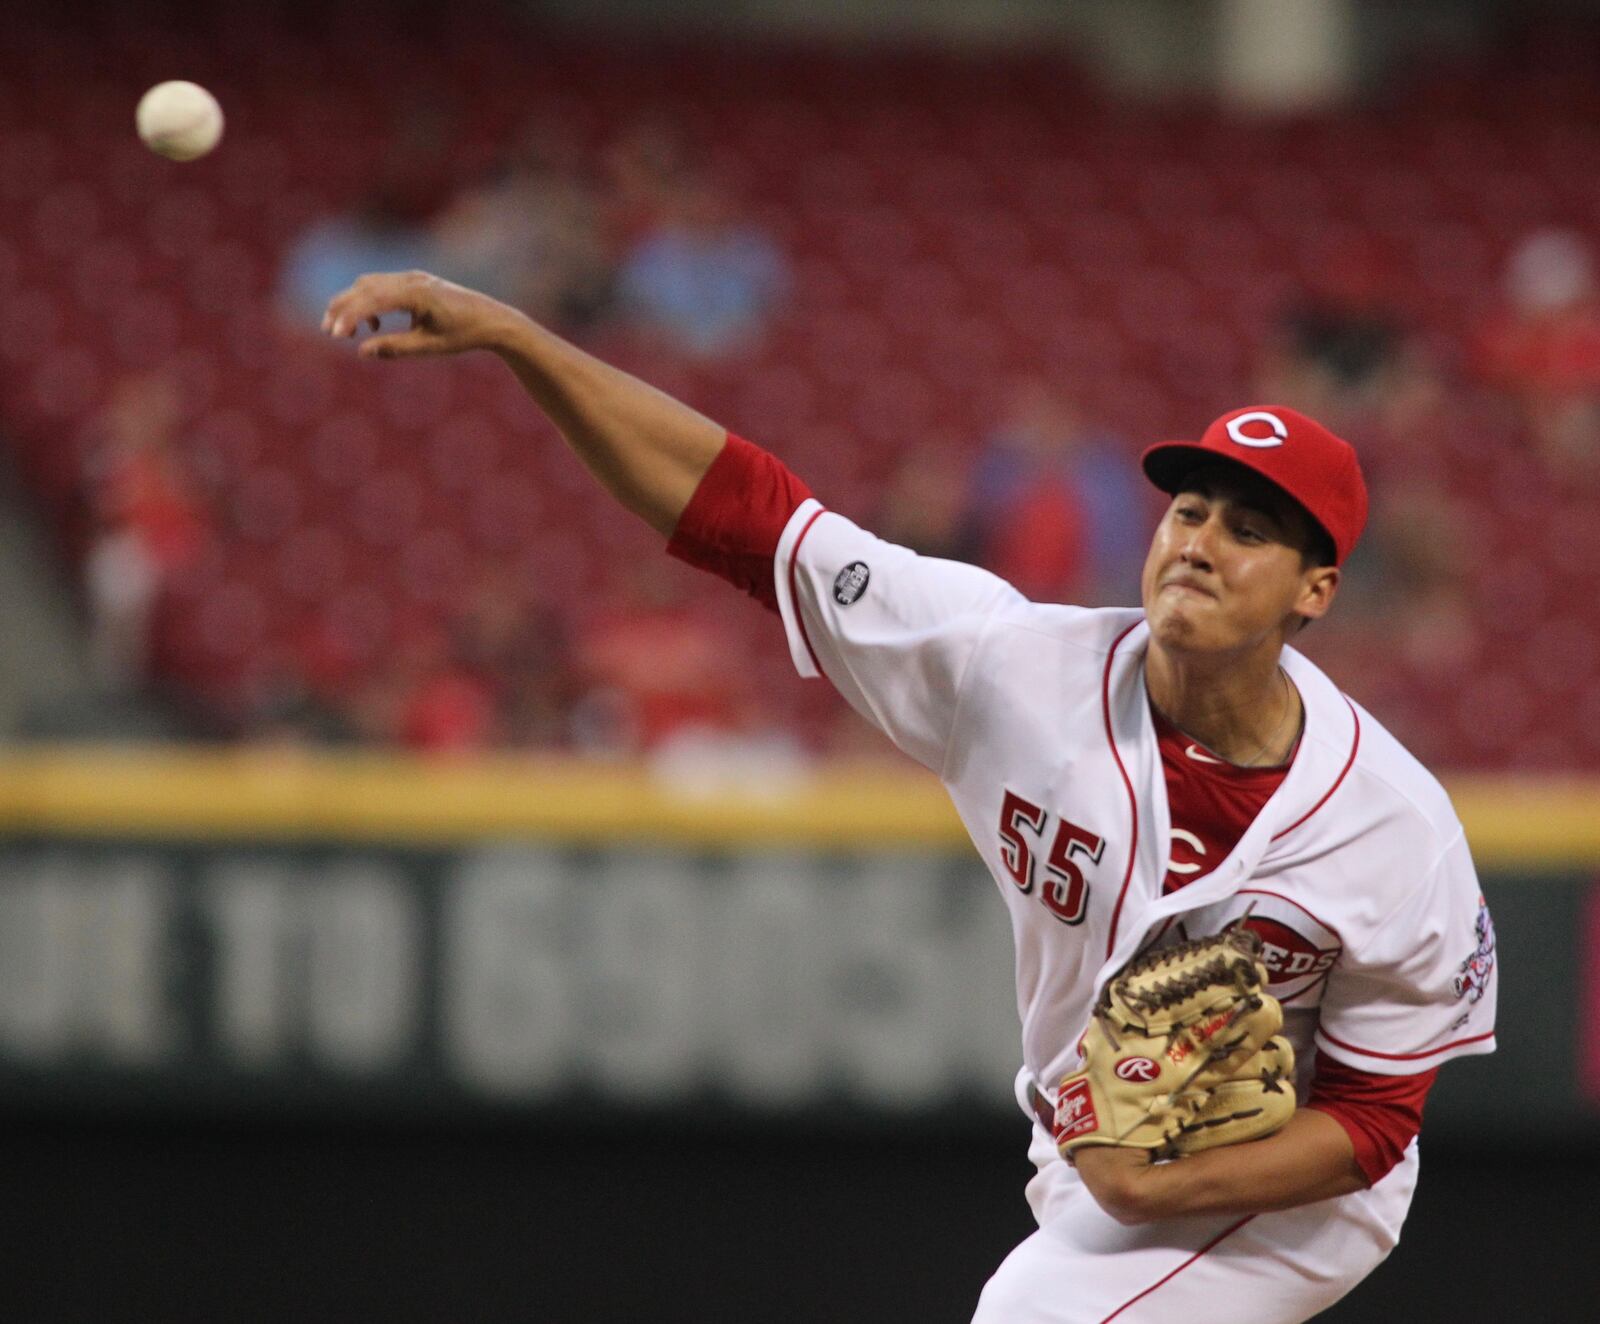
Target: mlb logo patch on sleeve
850 583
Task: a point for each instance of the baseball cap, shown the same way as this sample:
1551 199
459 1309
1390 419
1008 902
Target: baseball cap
1296 453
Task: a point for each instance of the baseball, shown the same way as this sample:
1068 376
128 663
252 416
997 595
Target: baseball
179 120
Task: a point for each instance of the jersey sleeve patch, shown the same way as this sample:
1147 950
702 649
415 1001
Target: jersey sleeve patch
1422 988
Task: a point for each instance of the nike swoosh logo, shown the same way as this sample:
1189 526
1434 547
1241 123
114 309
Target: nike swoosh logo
1194 752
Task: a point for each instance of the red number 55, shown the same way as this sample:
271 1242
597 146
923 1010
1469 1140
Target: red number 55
1066 891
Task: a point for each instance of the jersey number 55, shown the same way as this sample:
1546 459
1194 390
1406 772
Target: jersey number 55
1065 891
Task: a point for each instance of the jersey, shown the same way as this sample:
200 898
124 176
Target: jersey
1212 803
1036 718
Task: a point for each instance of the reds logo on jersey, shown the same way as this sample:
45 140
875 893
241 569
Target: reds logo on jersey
1289 955
1297 948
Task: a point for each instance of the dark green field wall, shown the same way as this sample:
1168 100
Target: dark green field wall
520 981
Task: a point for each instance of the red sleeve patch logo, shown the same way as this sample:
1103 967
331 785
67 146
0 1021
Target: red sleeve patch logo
1472 978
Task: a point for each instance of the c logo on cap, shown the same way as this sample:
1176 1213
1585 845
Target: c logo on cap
1280 432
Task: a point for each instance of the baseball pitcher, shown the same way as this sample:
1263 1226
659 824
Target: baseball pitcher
1248 928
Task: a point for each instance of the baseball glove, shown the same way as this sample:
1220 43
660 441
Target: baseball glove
1254 1102
1182 1054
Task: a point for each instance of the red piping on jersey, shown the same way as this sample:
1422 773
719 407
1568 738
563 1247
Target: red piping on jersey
1404 1057
1160 933
799 616
1355 744
1226 1232
1262 891
1133 845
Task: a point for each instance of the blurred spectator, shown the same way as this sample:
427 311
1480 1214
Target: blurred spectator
281 708
517 647
1543 346
1409 630
924 505
656 666
386 230
1425 567
532 236
148 525
380 235
451 711
645 169
1337 345
703 280
1055 506
425 699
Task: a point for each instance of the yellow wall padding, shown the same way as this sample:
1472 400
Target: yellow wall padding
279 795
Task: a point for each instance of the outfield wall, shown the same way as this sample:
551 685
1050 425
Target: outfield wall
285 934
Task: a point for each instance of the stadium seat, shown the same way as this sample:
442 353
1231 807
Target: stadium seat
1025 222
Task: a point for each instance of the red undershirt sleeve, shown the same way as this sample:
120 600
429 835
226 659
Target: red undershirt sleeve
732 523
1381 1114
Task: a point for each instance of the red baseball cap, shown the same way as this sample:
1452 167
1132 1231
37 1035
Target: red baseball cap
1296 453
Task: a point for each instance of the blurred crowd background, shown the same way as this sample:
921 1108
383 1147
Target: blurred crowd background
957 287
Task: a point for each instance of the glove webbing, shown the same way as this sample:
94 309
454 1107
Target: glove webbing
1168 993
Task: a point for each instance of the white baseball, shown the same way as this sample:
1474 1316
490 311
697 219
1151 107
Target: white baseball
179 120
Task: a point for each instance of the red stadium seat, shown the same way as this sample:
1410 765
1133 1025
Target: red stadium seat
1022 222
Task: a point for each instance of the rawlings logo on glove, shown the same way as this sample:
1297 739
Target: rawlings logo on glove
1183 1054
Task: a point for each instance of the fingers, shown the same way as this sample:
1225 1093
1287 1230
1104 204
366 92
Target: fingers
369 299
401 344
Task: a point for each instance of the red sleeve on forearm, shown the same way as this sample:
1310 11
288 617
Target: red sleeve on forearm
1382 1114
732 523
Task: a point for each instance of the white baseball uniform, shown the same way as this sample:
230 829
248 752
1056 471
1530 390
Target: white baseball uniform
1037 719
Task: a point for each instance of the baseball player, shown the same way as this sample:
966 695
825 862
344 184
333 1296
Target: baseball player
1132 778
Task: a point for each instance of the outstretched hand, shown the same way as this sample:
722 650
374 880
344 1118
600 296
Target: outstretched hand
445 318
648 450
